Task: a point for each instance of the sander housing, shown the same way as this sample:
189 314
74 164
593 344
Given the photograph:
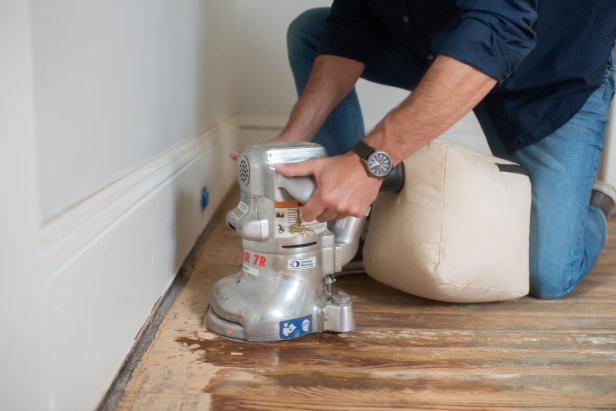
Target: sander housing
284 288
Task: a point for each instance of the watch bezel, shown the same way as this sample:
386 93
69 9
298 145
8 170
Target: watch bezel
366 152
376 172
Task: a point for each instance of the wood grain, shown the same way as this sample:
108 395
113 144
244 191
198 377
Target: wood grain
407 352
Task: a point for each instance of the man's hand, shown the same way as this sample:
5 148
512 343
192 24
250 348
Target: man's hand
343 187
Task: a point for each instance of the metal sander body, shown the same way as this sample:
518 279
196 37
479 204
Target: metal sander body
284 288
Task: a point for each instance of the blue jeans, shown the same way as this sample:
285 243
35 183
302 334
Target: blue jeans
567 234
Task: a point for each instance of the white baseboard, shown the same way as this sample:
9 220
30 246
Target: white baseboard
109 258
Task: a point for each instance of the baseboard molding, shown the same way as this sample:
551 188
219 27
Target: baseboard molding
109 258
65 235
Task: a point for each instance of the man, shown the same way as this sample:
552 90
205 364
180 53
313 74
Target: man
537 73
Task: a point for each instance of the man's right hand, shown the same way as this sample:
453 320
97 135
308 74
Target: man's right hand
343 186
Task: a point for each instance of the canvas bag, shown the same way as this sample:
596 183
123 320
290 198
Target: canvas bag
457 232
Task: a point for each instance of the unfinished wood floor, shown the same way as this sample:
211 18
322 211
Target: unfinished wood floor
407 352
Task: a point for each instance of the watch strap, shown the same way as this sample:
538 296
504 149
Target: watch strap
363 150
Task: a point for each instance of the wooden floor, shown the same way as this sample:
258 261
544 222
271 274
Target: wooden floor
407 352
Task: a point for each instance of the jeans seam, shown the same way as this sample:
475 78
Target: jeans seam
351 107
608 94
579 237
609 84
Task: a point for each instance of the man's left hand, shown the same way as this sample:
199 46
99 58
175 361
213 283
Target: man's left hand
343 186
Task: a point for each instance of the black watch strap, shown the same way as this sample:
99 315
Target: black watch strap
363 150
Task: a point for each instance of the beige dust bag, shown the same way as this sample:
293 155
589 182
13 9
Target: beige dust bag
458 231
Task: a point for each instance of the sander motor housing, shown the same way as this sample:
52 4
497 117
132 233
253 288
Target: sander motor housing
284 288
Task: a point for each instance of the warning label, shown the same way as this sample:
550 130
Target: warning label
289 221
296 327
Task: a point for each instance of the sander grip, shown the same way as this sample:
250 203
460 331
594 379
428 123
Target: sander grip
300 188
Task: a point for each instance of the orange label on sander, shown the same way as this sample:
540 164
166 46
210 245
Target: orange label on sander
288 204
289 222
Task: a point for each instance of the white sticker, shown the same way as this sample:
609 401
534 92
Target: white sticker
302 263
240 211
289 223
248 269
243 207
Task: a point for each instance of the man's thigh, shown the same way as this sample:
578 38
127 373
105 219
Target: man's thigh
393 64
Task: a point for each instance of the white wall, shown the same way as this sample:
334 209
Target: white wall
118 82
113 117
20 366
265 85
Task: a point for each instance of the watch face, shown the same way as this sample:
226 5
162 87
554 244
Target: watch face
379 164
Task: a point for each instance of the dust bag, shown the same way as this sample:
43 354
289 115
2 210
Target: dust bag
457 232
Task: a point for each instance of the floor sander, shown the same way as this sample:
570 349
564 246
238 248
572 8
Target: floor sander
284 289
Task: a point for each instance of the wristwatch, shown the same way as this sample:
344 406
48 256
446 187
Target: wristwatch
378 163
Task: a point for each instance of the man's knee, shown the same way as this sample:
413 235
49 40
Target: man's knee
307 29
550 279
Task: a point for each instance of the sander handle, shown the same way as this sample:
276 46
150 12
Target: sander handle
346 231
300 188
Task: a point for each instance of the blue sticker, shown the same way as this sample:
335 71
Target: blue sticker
297 327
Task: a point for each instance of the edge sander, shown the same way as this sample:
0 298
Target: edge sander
284 289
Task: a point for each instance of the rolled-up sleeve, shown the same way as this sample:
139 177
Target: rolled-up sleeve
352 31
493 36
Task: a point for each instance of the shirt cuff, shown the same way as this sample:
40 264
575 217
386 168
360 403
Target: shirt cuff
475 44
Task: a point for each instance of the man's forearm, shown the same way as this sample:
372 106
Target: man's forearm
448 91
331 79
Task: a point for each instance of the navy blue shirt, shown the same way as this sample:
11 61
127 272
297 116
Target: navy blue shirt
548 56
